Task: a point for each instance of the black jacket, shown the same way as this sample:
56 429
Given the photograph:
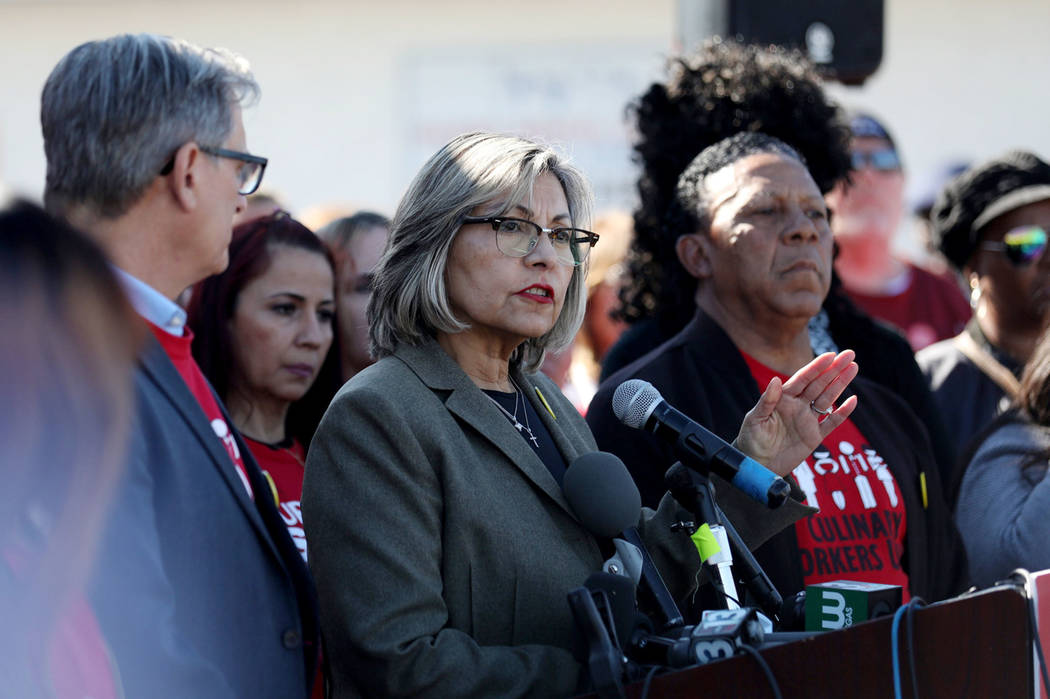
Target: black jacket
701 372
883 353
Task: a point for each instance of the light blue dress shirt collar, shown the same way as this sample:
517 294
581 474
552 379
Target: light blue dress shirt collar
153 305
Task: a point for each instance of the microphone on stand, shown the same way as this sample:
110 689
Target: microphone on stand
683 487
605 499
638 404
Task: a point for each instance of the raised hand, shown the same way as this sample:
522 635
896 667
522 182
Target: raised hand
791 418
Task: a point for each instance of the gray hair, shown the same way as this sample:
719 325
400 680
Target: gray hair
114 111
410 299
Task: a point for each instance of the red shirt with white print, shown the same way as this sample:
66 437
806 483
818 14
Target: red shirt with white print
178 350
858 534
285 464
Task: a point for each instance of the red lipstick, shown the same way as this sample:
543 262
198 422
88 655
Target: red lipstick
540 293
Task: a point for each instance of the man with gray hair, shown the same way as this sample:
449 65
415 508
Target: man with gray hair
199 590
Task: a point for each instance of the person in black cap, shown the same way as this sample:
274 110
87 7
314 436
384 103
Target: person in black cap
866 214
991 223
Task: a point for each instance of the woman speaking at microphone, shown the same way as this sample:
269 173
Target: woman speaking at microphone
442 545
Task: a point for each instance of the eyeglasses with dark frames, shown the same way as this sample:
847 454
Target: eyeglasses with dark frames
1022 245
249 175
516 237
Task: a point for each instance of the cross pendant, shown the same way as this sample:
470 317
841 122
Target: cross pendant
533 438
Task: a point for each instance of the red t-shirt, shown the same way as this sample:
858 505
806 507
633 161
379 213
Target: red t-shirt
178 350
859 532
929 309
286 467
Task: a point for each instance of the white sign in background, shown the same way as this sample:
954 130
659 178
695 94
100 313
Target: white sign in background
570 96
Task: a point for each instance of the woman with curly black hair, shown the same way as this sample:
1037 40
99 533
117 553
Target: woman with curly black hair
725 88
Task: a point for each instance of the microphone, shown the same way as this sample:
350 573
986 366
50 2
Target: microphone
841 603
617 594
638 404
601 492
687 492
594 647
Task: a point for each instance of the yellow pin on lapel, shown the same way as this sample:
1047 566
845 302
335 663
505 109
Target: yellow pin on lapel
545 403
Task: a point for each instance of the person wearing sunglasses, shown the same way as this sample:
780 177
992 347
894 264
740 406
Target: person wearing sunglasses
991 223
440 538
866 214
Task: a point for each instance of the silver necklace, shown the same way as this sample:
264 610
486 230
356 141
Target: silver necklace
514 418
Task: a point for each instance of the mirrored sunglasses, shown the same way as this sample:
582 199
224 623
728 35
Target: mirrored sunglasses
1022 246
882 160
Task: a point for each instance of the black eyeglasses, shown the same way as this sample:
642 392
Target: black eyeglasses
249 176
882 160
250 173
516 237
1022 246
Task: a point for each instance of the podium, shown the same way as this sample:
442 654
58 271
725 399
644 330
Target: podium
973 646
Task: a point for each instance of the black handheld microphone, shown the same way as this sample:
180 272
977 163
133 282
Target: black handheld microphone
604 661
638 404
618 599
603 495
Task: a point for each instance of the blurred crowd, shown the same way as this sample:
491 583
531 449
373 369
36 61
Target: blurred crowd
255 452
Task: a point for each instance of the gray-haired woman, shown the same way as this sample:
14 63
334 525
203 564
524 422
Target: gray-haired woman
442 545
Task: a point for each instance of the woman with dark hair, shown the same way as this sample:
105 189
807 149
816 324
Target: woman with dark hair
1004 497
264 330
991 223
68 342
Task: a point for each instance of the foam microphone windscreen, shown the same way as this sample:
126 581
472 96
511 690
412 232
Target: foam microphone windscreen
602 493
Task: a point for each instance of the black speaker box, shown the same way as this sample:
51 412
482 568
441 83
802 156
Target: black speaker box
842 37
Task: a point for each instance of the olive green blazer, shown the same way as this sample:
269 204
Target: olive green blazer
442 547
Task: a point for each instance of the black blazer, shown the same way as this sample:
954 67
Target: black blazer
199 591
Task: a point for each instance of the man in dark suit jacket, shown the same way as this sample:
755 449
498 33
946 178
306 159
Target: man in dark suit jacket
198 588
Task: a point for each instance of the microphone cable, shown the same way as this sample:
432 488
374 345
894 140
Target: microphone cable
704 574
909 610
649 681
766 670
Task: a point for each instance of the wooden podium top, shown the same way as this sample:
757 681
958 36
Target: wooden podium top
973 646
